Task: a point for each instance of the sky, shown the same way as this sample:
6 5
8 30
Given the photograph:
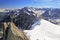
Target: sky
29 3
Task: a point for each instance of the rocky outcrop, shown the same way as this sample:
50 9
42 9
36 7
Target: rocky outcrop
13 33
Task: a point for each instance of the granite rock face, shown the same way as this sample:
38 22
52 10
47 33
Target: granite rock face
13 33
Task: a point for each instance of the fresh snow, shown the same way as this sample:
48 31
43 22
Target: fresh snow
38 12
43 30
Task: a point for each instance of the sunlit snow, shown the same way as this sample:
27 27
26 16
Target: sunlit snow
43 30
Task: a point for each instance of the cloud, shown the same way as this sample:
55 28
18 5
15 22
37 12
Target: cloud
47 3
42 0
56 1
46 6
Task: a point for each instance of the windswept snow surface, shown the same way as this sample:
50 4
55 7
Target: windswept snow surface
43 30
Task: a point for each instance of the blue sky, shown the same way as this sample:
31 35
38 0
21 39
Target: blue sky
29 3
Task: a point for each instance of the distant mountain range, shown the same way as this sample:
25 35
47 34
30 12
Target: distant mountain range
28 15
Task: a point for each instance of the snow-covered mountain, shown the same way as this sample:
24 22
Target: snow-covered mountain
43 30
24 17
28 15
52 15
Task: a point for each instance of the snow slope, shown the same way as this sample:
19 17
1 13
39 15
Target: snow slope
43 30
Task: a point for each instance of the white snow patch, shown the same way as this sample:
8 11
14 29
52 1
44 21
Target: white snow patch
43 31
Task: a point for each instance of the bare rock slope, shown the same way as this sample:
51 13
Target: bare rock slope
13 33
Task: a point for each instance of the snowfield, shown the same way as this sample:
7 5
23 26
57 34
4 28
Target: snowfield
43 30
